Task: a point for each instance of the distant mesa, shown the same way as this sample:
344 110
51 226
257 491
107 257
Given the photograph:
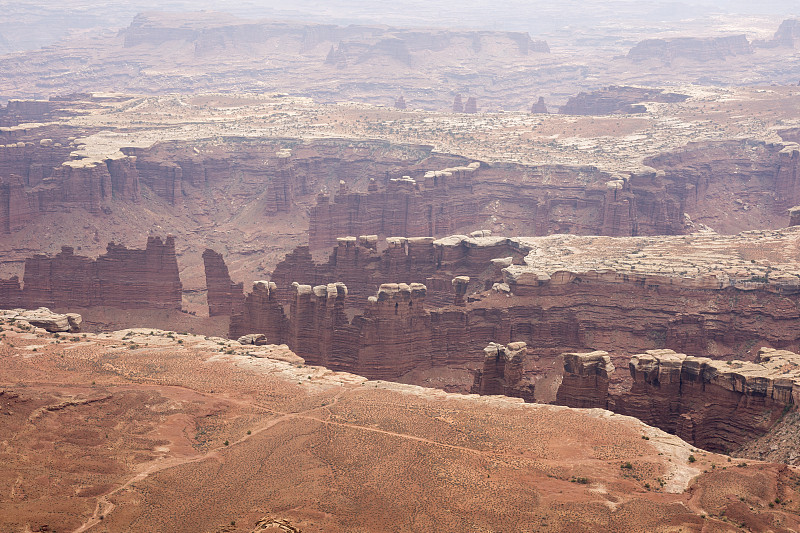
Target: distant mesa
212 33
692 48
787 36
788 33
617 100
539 106
458 104
471 106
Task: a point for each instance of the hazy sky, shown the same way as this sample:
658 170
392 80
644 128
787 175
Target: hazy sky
29 24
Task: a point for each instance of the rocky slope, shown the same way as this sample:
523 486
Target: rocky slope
130 425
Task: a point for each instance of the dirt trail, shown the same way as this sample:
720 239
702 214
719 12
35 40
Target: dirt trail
104 506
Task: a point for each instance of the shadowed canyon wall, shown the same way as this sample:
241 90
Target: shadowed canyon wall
716 405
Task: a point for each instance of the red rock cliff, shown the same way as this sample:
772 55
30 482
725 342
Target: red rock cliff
123 278
503 372
260 313
224 296
716 405
38 179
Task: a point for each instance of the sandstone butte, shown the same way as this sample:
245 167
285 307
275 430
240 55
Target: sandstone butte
137 430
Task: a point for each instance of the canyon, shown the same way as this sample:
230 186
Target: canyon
370 260
703 294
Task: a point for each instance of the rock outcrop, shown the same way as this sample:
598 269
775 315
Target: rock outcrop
37 178
44 318
471 106
690 48
716 405
585 381
787 36
281 189
458 104
612 100
316 322
224 296
400 102
794 216
539 106
260 313
122 278
439 203
503 372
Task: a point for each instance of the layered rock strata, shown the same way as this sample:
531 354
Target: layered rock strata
281 190
122 278
716 405
440 203
691 48
503 372
279 173
224 296
611 100
38 178
585 381
260 313
539 200
318 326
703 294
357 262
761 181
